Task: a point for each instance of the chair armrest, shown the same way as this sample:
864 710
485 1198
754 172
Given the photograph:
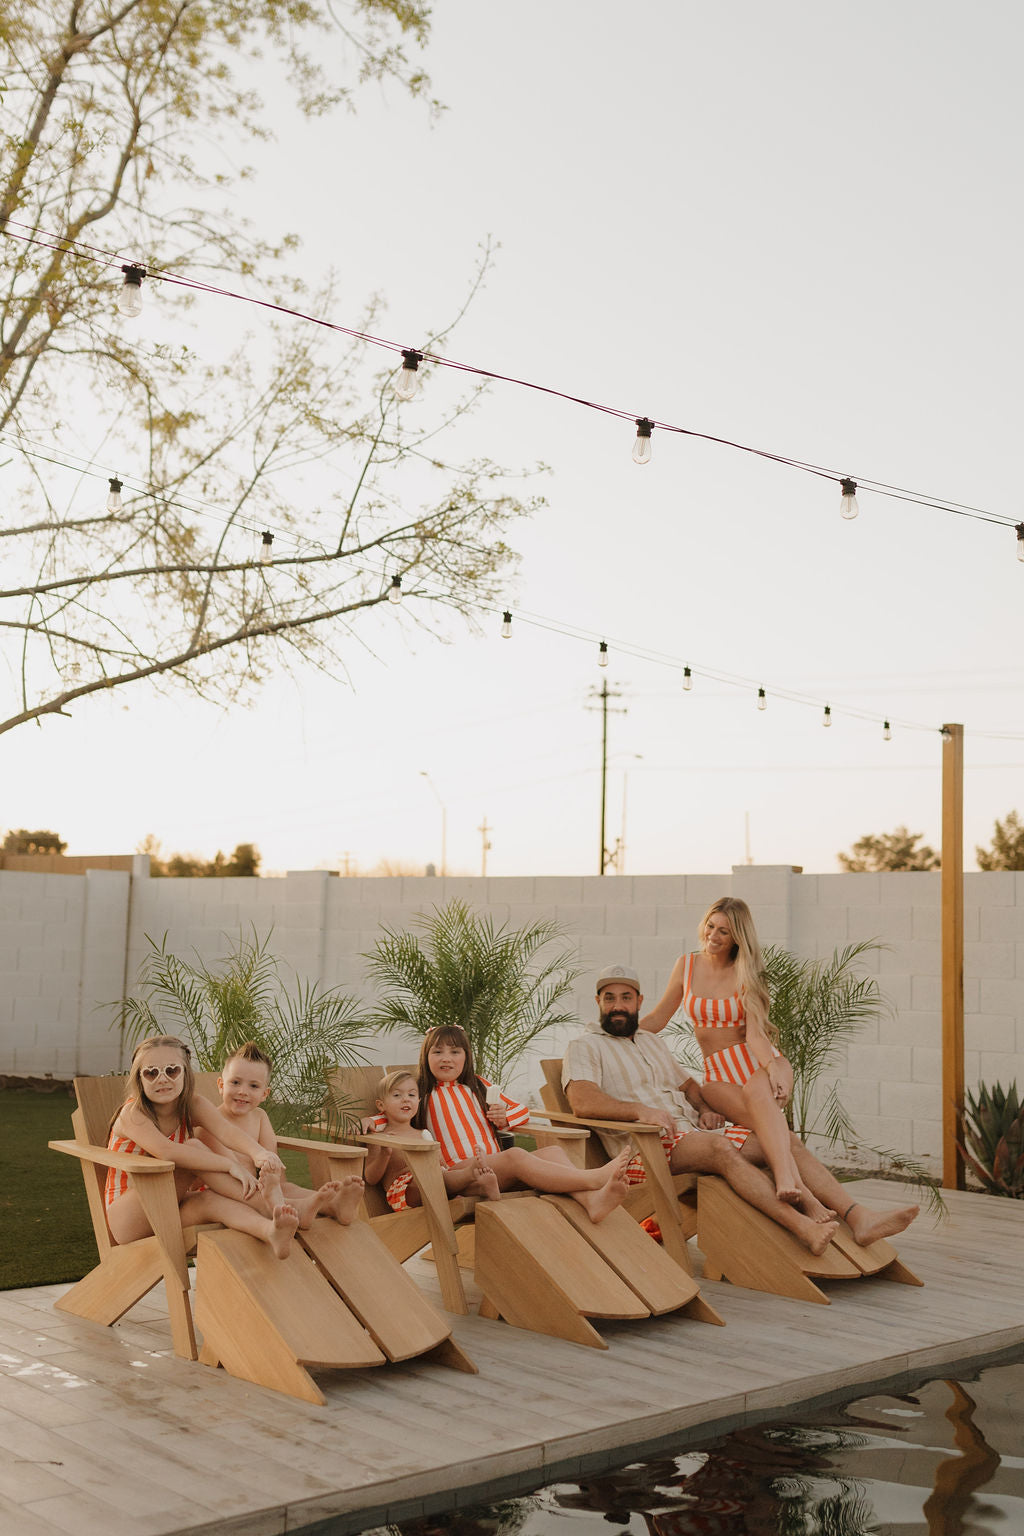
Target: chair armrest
382 1139
569 1132
624 1127
335 1148
125 1162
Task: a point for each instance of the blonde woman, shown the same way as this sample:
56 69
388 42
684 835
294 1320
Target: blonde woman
723 994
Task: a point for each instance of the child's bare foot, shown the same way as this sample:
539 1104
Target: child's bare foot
870 1226
269 1182
285 1224
611 1170
342 1198
599 1203
489 1188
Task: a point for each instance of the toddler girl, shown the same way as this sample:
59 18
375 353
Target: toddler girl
398 1100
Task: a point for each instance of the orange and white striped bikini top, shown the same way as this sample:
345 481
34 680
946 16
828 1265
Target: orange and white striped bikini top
710 1012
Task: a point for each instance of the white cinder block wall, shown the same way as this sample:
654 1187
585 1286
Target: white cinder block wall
71 944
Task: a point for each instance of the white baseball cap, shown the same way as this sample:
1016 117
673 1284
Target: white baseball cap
618 973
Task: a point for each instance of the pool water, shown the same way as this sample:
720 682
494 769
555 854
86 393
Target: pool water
946 1460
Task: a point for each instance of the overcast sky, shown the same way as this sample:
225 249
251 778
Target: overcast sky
794 226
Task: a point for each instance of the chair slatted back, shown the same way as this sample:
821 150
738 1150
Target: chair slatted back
553 1097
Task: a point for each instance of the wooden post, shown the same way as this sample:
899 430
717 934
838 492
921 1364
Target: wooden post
952 953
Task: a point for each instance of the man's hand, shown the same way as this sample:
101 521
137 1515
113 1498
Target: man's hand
708 1120
659 1117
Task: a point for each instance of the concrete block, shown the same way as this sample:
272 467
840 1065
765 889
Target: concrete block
680 923
860 1098
1000 925
648 956
665 891
972 994
991 888
926 1145
926 993
912 957
506 888
550 889
806 891
884 1131
924 924
866 923
998 996
927 1066
817 931
906 888
992 961
472 889
701 890
880 1063
590 920
25 934
911 1101
999 1067
990 1032
606 890
630 920
763 885
913 1029
31 1011
847 890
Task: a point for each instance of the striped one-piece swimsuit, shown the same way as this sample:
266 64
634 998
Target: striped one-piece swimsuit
117 1182
733 1063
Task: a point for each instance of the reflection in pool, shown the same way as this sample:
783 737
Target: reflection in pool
945 1461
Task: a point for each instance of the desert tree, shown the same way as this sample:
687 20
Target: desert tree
1007 850
889 851
120 120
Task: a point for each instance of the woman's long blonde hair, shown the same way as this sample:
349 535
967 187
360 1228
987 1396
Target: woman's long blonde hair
746 957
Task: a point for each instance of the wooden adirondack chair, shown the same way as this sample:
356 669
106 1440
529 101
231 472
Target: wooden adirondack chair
339 1299
540 1262
739 1243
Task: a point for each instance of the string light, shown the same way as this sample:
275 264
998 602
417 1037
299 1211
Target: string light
762 699
602 654
506 625
408 380
827 717
886 731
130 299
395 592
1020 541
687 680
642 446
266 547
848 504
114 495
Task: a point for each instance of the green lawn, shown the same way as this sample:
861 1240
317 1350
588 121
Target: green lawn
43 1211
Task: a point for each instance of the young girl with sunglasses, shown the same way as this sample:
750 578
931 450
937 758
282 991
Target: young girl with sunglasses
463 1112
159 1118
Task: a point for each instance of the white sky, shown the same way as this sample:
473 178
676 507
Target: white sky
791 225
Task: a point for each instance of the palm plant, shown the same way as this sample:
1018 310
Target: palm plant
494 982
304 1029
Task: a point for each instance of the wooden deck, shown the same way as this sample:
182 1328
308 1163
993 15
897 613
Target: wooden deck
104 1431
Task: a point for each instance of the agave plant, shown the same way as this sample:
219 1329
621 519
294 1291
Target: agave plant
304 1029
993 1141
495 982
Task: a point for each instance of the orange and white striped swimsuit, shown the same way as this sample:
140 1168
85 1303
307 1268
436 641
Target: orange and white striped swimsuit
117 1182
458 1124
733 1063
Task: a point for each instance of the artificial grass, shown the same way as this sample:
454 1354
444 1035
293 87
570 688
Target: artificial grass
44 1217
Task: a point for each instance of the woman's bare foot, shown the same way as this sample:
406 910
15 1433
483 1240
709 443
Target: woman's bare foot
815 1235
791 1194
812 1207
343 1197
285 1225
599 1203
870 1226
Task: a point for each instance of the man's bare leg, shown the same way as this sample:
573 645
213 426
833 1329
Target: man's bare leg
701 1152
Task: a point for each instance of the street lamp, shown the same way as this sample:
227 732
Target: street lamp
444 821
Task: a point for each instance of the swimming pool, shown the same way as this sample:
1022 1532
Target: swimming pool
946 1460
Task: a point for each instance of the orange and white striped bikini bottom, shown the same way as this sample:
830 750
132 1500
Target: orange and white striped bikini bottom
734 1064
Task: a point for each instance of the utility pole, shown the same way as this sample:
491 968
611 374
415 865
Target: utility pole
604 695
485 845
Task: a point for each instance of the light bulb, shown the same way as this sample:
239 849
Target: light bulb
827 718
395 593
408 380
642 446
130 298
762 699
848 505
506 625
1020 541
602 654
266 547
886 731
687 679
114 495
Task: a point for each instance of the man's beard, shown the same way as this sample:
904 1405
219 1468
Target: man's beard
617 1021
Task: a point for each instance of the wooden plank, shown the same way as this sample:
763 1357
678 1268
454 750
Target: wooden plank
952 883
534 1239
